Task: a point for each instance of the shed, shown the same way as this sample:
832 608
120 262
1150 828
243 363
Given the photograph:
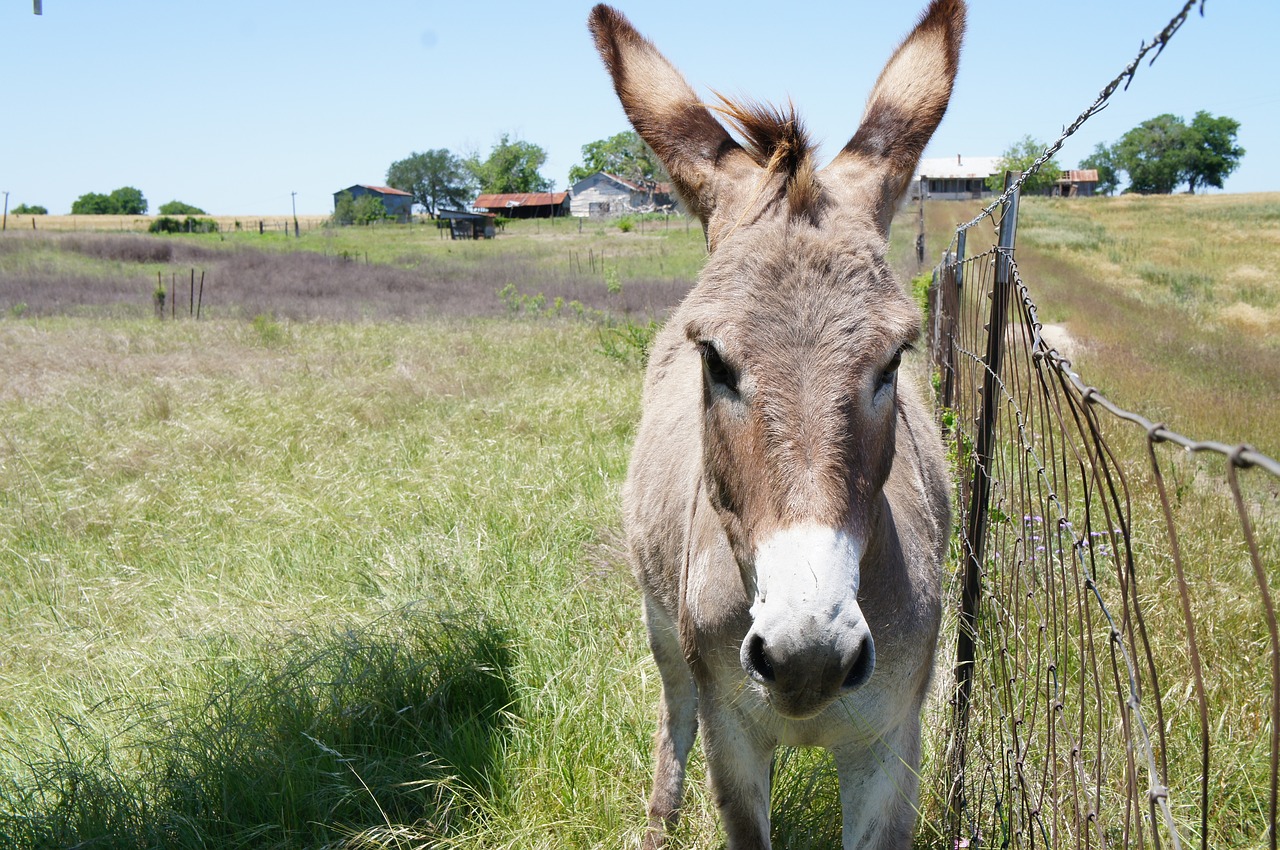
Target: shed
954 179
1076 183
525 204
467 225
399 204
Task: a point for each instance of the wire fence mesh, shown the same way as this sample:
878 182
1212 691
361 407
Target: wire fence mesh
1117 674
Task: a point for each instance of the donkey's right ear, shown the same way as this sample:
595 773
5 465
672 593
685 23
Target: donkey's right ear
697 151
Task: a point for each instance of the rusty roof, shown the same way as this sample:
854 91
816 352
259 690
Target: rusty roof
520 199
1079 175
384 190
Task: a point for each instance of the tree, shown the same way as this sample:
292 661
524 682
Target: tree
1212 152
1155 155
624 155
29 209
179 208
512 166
123 201
435 178
1104 162
365 209
1018 157
91 203
128 201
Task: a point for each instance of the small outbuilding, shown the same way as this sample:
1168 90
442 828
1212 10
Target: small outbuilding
525 204
467 225
1076 183
398 203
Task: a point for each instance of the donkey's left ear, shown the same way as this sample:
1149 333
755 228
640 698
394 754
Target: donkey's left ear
904 109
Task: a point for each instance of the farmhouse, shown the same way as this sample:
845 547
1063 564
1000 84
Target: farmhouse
398 204
525 204
602 194
954 179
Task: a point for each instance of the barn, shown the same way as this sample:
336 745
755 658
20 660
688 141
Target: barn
602 195
399 204
525 204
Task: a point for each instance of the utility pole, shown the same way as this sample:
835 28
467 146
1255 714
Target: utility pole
4 225
294 197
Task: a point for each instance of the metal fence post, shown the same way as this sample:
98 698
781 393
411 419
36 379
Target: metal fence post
979 499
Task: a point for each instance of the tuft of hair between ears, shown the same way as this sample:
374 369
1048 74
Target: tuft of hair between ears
780 144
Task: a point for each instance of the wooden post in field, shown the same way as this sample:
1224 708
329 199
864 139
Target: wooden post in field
173 295
200 302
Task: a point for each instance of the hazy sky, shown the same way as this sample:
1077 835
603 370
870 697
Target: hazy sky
232 106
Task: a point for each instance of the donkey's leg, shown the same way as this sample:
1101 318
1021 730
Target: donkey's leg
879 786
738 764
677 727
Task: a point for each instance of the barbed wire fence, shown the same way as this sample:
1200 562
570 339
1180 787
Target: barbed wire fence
1105 613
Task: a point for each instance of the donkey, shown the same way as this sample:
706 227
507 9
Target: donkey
787 505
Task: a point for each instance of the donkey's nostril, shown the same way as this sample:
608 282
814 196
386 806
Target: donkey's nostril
758 666
862 667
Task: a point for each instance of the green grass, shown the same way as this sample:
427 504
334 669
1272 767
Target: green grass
274 583
177 497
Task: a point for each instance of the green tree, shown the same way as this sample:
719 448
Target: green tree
624 155
29 209
179 208
435 178
512 166
91 203
123 201
1103 160
1018 157
1212 152
1155 155
365 209
128 201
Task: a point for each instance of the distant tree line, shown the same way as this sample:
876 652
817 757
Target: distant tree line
29 209
123 201
439 179
1164 152
1156 157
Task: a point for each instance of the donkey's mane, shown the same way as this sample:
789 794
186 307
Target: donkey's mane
780 144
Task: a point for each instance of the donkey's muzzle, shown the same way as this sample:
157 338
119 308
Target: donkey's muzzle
801 675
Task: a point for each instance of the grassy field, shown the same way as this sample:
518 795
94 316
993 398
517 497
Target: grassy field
339 565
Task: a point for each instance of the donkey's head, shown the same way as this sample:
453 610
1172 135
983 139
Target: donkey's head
800 326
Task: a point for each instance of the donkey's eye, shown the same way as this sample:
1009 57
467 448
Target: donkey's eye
890 371
717 370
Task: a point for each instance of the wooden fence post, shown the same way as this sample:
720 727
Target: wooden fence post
979 500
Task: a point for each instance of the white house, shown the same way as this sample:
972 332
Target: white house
602 195
954 178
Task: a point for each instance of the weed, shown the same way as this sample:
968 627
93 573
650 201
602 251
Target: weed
628 341
270 332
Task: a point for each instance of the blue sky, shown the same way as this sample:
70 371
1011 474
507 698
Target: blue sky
232 106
